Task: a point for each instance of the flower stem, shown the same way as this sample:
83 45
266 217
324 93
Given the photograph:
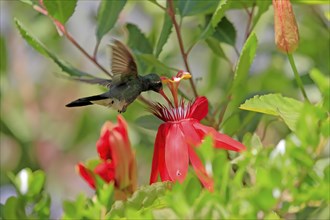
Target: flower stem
296 75
171 13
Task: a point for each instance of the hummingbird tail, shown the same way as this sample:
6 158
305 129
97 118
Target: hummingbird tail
85 101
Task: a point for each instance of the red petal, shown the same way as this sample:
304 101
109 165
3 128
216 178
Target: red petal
163 171
102 146
199 108
122 128
220 140
200 170
176 153
106 171
189 132
155 157
86 174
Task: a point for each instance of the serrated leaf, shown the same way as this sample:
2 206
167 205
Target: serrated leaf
148 122
219 13
287 109
165 33
38 46
192 7
107 16
60 10
137 40
245 60
225 32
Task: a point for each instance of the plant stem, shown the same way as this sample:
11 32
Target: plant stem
171 13
76 44
296 75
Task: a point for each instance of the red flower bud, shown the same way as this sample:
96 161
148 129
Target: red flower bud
286 29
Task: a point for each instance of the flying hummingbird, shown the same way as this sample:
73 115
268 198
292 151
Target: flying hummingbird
126 84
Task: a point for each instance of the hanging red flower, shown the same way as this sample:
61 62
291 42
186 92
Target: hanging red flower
117 161
180 134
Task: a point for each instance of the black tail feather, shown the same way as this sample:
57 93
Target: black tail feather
85 101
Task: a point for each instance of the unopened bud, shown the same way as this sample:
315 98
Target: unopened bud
286 29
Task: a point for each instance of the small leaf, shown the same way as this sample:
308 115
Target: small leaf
60 10
38 46
165 33
107 16
137 40
191 7
275 104
225 32
245 61
3 55
323 83
219 13
11 209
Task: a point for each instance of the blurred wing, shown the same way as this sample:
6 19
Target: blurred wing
95 80
123 65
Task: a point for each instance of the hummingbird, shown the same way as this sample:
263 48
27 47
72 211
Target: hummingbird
124 86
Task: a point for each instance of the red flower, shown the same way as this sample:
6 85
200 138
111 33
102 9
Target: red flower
285 25
178 136
117 161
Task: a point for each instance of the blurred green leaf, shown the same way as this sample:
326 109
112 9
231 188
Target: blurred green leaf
225 32
105 195
262 8
164 34
11 209
215 47
323 83
191 7
137 40
107 16
38 46
148 122
3 55
219 13
287 109
59 9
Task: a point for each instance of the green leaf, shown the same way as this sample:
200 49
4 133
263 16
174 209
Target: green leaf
3 55
219 13
37 182
225 32
262 8
215 47
152 61
107 16
148 122
165 33
38 46
59 9
323 83
245 61
11 209
287 109
192 7
137 40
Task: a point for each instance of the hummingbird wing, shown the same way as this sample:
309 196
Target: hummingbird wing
95 80
123 65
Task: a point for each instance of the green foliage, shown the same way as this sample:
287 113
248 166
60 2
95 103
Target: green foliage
287 109
107 16
191 7
60 10
31 200
38 46
284 173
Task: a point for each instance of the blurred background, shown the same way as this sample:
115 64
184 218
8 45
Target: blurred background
39 132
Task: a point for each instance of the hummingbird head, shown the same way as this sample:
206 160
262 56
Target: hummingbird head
153 82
